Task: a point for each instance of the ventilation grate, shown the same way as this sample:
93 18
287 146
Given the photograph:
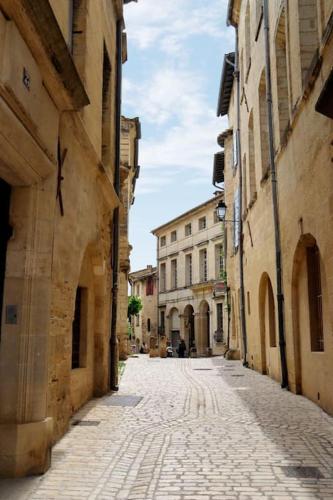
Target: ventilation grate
202 369
302 472
124 401
86 423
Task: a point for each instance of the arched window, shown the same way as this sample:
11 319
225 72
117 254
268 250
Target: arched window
247 40
271 315
263 133
148 324
252 166
315 298
282 76
308 33
245 187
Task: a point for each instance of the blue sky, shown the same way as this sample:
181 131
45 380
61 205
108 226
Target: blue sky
171 81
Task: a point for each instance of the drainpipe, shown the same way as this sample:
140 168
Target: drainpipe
158 289
240 224
115 222
278 258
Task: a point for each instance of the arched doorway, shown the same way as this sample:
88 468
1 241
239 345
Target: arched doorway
174 322
204 329
270 361
189 329
307 315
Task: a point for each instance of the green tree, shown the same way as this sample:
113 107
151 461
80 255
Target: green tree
134 306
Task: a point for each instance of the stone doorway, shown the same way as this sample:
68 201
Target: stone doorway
5 234
189 331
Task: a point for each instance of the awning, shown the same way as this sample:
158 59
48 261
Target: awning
227 79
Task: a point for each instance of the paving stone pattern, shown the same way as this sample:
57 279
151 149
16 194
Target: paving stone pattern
196 434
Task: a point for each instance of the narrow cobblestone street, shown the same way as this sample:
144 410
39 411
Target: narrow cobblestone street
204 429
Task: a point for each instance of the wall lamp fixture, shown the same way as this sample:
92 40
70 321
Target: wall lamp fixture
220 210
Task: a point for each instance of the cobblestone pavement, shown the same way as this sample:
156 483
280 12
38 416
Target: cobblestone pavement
204 429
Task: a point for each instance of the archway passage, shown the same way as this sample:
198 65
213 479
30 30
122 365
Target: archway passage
307 310
189 327
5 233
174 328
204 329
270 360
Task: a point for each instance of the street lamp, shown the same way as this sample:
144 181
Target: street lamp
221 210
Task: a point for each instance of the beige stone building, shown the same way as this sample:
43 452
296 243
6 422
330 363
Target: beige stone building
144 325
192 301
279 190
60 84
129 173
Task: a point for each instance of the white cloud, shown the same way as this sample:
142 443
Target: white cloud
172 99
165 24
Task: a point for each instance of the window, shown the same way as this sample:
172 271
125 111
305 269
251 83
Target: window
219 316
77 33
259 17
162 278
5 233
236 216
79 329
202 223
162 322
138 290
163 241
234 150
315 298
263 132
282 77
203 265
215 217
148 324
138 320
247 40
173 236
308 33
188 229
219 261
150 286
106 109
174 273
188 269
252 167
271 315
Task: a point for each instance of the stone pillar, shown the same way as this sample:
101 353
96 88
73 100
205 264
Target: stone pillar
25 430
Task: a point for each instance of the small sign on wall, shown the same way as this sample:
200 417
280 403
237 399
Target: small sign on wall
11 315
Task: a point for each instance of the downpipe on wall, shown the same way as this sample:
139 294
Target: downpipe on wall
115 222
240 222
276 218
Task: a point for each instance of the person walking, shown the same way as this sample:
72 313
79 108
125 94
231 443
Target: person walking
181 349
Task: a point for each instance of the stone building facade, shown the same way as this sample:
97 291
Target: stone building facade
129 173
191 300
287 257
60 82
144 325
